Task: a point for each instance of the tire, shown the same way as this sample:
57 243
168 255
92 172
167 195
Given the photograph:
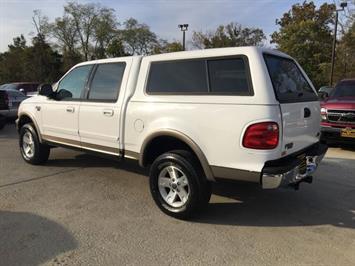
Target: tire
177 184
37 153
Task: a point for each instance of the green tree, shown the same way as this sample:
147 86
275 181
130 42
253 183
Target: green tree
163 46
305 33
138 38
345 55
230 35
42 63
12 61
105 30
85 17
115 48
38 62
64 31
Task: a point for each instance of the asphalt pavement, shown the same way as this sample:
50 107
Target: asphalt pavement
84 210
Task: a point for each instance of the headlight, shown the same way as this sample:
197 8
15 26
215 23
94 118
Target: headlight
323 114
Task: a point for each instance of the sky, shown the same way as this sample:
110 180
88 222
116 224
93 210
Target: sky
162 16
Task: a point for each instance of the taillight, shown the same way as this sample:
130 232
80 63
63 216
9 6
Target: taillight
323 114
262 136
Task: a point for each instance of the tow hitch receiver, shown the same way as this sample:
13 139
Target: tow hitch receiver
292 171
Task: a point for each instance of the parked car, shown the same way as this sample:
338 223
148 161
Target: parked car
9 102
324 92
246 114
338 113
27 88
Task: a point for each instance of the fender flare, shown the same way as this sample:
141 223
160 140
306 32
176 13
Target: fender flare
34 123
184 138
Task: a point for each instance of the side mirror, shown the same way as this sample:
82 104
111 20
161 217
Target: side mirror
325 95
46 90
322 95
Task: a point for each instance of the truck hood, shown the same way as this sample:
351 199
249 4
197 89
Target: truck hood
339 103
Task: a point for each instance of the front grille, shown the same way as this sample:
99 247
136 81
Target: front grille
341 116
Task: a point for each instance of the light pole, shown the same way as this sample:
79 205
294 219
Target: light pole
342 5
183 28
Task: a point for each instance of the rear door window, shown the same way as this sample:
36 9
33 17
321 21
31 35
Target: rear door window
288 81
106 83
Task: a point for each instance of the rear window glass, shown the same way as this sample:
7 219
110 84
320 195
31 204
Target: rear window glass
344 89
288 81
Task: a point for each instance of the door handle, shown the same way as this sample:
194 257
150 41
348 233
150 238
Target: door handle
70 109
108 112
307 112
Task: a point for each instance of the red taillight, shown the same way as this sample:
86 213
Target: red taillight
262 136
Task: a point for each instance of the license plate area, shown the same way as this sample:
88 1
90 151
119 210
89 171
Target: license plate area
347 133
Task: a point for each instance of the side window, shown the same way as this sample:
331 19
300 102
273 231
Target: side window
200 76
72 85
185 76
228 76
107 82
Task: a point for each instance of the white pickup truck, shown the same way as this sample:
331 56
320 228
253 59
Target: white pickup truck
247 114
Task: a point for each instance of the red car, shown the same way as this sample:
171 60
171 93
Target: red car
338 113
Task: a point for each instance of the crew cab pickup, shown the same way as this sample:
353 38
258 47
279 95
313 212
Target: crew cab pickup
195 117
338 113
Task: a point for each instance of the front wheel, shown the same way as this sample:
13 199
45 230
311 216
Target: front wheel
177 184
32 151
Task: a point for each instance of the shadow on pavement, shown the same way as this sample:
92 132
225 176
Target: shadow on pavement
330 200
343 146
86 160
29 239
326 202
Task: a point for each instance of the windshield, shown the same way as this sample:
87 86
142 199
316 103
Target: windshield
344 89
288 81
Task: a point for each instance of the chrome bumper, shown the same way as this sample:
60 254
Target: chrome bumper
295 174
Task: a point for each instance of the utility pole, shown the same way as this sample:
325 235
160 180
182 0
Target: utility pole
342 5
183 28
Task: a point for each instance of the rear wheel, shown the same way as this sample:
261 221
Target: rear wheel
32 150
177 184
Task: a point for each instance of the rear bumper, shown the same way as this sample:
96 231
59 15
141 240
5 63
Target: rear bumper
293 169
